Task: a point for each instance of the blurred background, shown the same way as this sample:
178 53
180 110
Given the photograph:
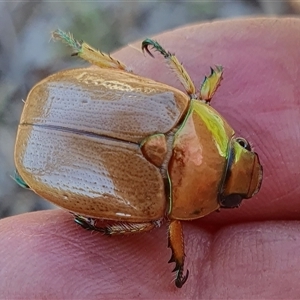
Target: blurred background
27 55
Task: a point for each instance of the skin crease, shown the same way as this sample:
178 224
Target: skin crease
246 253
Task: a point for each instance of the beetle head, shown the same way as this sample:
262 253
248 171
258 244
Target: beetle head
243 174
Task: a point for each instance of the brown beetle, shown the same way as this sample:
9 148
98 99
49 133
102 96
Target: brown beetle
106 144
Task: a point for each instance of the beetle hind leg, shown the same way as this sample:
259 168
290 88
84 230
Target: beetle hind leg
176 243
174 64
87 52
117 228
19 180
84 222
127 228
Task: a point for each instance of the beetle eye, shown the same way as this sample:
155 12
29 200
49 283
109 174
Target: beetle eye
244 143
231 201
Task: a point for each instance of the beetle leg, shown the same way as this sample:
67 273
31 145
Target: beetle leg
210 84
19 180
127 228
87 52
117 228
84 222
175 65
176 243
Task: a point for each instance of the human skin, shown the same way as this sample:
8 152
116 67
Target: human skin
246 253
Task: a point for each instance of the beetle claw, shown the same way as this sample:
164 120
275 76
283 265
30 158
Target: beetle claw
155 45
84 222
180 279
145 44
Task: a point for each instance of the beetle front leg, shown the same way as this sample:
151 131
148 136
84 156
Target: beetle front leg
210 84
175 65
87 52
176 243
118 228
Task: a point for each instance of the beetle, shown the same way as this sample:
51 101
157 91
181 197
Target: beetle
106 144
